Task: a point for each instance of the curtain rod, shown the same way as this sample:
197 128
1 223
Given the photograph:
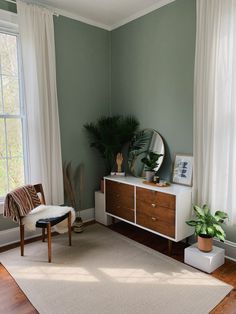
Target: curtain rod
14 2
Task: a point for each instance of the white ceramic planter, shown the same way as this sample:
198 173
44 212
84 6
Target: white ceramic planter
150 175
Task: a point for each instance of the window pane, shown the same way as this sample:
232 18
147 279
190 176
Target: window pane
14 138
15 172
2 139
8 54
3 177
11 135
1 103
10 95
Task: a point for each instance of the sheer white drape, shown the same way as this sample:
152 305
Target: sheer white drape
215 106
39 70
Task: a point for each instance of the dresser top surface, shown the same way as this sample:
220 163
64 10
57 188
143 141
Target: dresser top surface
172 189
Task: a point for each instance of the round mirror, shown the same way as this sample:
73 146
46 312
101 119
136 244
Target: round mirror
143 142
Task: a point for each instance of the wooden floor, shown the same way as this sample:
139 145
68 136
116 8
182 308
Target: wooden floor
13 300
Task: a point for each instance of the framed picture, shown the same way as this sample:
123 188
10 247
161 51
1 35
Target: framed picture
183 169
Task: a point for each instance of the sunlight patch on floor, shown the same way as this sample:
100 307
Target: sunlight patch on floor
132 275
78 274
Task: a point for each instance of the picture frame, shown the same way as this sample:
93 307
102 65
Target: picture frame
183 169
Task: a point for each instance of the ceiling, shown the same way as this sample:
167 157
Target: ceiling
108 14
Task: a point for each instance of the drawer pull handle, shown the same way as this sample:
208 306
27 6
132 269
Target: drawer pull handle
154 205
154 219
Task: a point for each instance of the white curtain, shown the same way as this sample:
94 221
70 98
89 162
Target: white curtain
215 106
39 70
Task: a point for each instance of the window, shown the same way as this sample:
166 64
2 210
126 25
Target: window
12 161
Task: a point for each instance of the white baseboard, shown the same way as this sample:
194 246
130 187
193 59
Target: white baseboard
88 214
230 248
11 236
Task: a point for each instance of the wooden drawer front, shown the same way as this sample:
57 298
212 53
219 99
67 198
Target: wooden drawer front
119 188
120 200
148 199
162 221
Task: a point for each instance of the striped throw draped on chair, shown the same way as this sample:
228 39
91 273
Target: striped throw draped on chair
20 202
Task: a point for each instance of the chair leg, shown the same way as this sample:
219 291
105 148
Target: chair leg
22 236
69 228
43 234
49 243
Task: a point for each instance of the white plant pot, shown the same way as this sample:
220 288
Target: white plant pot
150 176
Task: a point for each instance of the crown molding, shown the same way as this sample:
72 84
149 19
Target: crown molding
81 19
132 17
135 16
13 16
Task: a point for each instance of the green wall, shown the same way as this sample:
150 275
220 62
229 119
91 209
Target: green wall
152 74
83 81
83 69
143 68
6 223
7 6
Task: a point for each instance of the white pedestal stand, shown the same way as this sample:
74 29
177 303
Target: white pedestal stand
207 262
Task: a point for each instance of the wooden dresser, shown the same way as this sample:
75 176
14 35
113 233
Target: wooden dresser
161 210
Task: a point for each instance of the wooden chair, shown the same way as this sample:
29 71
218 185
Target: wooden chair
45 224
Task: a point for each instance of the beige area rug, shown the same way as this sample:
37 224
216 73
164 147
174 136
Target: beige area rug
104 272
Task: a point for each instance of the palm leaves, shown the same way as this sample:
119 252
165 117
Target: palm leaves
138 142
208 225
109 135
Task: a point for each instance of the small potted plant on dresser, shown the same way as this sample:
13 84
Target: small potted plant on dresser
150 164
207 226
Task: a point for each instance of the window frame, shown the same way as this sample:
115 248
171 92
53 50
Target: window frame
12 29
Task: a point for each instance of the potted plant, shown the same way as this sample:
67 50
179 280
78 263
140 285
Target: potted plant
109 135
150 162
207 226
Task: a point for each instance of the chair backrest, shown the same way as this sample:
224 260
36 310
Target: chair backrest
39 190
19 202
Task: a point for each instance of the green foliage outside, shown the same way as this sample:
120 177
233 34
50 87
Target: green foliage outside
11 147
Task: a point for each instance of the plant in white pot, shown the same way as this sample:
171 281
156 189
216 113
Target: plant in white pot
207 226
151 163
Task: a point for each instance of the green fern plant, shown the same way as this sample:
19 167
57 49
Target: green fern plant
207 225
109 134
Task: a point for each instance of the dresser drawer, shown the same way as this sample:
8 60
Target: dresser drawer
147 200
119 188
120 200
162 220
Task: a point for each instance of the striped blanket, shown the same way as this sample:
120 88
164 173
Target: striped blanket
20 202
